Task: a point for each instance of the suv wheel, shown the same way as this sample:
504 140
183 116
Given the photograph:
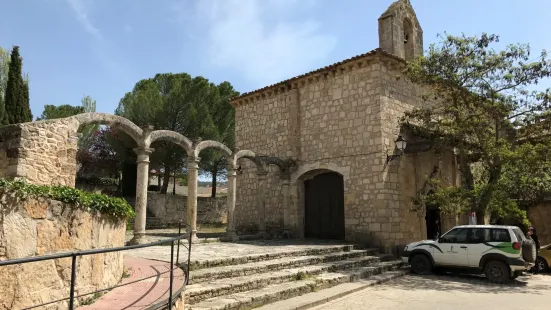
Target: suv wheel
420 264
541 265
497 272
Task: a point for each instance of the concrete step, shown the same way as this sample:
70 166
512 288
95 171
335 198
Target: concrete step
314 299
245 259
214 273
281 291
198 292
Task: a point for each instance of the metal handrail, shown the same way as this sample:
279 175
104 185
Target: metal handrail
74 256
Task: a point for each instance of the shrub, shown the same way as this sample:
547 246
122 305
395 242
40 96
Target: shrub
113 206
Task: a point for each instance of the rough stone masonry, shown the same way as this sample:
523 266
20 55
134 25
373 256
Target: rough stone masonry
344 118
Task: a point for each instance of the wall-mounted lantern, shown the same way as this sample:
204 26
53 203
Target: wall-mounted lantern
401 146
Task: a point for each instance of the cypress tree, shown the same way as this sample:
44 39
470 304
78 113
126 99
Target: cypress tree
17 92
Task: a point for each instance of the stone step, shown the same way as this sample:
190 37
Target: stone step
276 292
244 259
317 298
198 292
214 273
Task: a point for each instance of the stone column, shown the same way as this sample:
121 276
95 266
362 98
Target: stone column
232 185
261 195
192 175
286 193
142 181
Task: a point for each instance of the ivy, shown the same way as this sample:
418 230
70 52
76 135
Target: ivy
97 181
113 206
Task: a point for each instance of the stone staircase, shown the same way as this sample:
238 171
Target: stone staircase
255 280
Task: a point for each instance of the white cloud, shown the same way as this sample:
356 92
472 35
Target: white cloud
260 39
81 12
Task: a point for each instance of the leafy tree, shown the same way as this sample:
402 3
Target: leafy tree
61 111
190 106
88 105
223 130
17 92
480 100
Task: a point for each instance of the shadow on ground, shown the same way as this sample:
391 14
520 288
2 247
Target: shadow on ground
465 284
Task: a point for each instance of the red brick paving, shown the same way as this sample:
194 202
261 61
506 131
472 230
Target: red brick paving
142 294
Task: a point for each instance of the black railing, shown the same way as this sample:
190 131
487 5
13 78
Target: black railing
74 255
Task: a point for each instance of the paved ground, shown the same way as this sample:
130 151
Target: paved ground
222 250
139 295
449 293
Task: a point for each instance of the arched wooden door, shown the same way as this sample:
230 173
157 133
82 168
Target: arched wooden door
324 206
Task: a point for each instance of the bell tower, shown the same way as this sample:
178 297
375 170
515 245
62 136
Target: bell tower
400 32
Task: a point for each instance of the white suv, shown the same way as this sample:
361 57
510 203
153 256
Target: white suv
500 252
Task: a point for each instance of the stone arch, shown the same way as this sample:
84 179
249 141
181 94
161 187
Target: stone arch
174 137
119 122
312 169
322 204
226 152
299 177
250 155
408 39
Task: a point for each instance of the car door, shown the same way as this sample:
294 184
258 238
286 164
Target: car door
452 248
478 244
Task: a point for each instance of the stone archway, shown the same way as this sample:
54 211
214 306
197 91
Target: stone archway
323 205
53 144
298 189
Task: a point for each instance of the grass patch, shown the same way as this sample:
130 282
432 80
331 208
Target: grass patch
301 275
126 273
90 300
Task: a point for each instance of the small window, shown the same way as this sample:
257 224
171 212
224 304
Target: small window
458 235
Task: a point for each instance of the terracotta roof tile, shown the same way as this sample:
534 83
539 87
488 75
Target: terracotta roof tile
324 69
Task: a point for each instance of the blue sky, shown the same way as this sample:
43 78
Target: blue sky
101 48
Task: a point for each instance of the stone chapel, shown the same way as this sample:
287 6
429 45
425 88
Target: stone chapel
339 124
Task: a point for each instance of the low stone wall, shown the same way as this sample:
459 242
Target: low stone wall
39 227
172 208
540 217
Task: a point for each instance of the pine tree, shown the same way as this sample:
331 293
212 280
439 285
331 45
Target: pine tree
17 92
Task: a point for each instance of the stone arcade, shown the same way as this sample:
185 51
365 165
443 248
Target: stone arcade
44 152
339 125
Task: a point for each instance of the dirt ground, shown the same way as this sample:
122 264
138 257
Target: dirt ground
447 292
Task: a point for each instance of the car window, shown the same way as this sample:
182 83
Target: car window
481 235
499 235
518 233
457 235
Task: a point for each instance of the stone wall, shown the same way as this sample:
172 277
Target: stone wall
172 208
40 227
540 217
41 152
345 120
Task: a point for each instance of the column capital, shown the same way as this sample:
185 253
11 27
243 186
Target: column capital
143 151
231 172
193 162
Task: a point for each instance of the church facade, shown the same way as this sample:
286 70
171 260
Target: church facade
339 125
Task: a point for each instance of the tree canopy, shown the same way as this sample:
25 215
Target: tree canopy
481 100
60 111
191 106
